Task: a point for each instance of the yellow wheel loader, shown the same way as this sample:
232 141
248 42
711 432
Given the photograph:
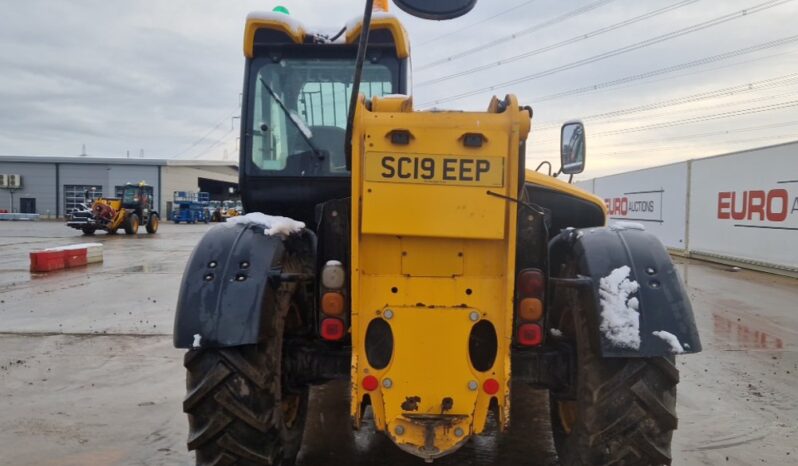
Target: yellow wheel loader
412 253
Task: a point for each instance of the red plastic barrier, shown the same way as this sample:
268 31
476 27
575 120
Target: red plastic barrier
46 261
74 257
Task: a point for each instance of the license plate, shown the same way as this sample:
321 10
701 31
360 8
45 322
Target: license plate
435 169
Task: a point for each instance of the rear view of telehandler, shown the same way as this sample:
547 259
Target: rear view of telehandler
434 271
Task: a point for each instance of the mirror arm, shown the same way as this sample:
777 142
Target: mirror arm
361 57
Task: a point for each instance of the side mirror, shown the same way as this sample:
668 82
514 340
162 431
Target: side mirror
572 148
436 9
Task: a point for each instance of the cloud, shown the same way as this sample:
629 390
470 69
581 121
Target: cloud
157 76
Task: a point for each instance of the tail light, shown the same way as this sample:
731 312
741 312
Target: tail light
530 335
333 275
531 286
332 329
334 319
530 283
332 303
530 309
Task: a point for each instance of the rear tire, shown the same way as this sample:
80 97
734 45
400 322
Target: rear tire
625 408
132 224
236 413
88 231
152 223
238 409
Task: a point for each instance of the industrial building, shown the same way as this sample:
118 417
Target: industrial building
53 186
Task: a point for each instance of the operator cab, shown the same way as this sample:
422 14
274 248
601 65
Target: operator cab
297 91
136 196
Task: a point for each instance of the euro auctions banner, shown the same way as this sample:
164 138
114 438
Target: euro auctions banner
655 197
745 205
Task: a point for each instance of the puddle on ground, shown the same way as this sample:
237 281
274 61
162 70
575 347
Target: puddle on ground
728 331
146 268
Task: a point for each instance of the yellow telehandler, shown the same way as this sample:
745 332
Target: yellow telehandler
411 253
134 208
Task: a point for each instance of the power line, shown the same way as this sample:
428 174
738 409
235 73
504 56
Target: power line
204 137
733 103
699 119
612 53
219 141
662 71
465 28
724 132
515 35
681 147
660 139
563 43
753 86
687 72
687 121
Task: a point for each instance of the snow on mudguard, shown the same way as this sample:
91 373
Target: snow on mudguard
638 305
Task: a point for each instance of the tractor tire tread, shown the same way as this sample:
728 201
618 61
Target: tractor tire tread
631 410
226 389
223 459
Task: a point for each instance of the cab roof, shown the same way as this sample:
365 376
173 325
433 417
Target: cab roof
270 28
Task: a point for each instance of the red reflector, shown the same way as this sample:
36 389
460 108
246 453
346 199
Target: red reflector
370 383
530 335
530 283
491 386
332 329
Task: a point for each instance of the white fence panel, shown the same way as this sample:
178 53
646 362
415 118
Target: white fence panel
745 206
587 185
655 197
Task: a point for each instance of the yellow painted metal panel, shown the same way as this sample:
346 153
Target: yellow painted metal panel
383 22
540 179
427 257
253 24
297 34
392 103
430 363
383 256
435 211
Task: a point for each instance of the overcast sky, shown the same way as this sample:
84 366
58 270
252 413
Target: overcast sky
158 76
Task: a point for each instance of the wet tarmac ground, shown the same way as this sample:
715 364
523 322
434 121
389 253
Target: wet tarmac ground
88 375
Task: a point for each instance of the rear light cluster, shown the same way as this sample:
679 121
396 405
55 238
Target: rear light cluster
333 301
531 288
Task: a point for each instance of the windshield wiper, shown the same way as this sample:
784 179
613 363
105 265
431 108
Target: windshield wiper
294 119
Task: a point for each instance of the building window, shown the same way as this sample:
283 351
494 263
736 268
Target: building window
75 194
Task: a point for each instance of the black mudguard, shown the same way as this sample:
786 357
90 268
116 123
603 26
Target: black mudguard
663 301
230 274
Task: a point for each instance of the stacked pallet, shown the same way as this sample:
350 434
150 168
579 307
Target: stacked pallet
73 255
